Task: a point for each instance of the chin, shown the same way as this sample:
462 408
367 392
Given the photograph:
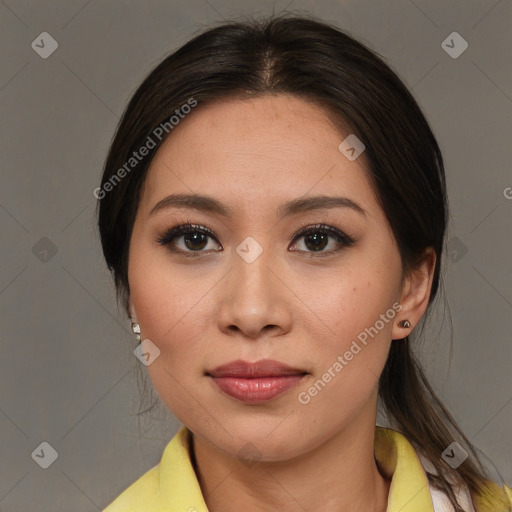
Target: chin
257 441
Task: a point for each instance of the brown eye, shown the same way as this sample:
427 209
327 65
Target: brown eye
195 239
316 239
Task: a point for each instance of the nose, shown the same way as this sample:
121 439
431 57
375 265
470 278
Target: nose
254 300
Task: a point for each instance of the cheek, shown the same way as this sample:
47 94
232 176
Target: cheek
349 360
357 321
354 300
359 310
173 315
168 302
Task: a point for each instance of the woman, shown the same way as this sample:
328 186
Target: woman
273 210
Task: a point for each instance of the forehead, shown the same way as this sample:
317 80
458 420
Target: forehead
263 150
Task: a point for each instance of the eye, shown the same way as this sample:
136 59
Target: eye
194 237
316 238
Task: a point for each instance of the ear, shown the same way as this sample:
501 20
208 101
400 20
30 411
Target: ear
415 294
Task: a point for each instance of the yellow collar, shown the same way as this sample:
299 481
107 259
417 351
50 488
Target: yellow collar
409 490
172 484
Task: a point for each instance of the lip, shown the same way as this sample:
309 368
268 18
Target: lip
263 368
255 382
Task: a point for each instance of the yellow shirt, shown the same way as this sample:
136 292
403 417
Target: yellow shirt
172 486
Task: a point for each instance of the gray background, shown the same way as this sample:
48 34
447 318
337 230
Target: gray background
67 371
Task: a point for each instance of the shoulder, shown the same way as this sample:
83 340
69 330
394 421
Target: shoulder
493 498
170 485
135 497
410 469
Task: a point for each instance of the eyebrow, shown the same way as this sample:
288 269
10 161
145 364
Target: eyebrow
210 205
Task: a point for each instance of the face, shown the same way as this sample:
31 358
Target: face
265 281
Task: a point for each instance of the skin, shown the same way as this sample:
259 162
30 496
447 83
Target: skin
291 304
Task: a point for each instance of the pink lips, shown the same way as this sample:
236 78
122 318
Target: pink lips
255 382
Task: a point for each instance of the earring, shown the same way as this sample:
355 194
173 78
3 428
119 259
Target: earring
136 330
404 323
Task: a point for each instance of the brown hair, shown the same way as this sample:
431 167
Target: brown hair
320 63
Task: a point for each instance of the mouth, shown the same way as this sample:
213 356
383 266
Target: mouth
255 382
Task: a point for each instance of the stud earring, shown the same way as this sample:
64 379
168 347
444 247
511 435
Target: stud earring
136 330
404 323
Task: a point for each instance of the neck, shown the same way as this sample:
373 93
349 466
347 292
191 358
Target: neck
340 474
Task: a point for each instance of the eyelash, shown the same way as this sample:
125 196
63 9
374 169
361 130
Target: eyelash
188 228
